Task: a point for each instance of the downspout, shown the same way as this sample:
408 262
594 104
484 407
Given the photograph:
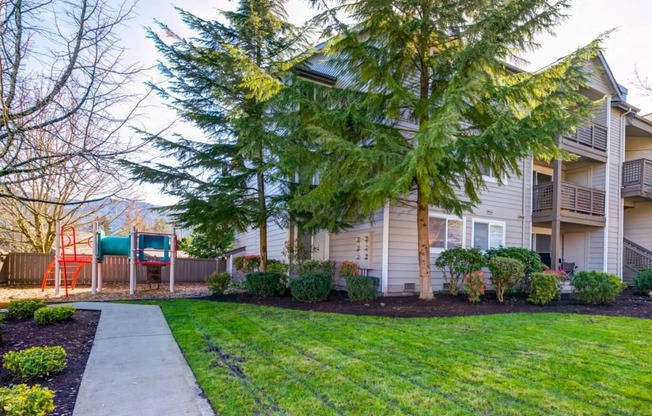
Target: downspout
385 259
621 211
605 242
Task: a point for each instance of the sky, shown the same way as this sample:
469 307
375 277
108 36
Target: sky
627 49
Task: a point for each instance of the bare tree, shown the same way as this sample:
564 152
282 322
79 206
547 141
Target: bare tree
60 59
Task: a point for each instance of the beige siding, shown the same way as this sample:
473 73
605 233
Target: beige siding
598 78
638 224
615 237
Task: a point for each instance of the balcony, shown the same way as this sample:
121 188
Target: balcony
637 179
578 204
588 141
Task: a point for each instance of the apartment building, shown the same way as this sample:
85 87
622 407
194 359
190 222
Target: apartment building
593 213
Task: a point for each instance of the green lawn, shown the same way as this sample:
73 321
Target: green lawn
259 360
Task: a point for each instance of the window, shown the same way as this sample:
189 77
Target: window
445 232
489 176
488 234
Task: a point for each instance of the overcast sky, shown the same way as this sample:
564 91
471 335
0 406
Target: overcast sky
627 48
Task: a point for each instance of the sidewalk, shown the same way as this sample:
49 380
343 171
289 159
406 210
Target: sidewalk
136 368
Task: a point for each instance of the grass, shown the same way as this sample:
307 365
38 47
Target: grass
258 360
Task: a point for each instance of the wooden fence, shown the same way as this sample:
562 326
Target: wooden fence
28 269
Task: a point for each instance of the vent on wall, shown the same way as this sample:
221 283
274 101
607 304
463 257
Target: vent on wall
409 287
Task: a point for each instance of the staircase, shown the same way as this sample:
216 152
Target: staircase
635 258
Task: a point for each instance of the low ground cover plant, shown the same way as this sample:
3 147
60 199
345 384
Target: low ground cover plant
595 287
475 285
545 287
47 316
312 287
459 262
362 287
505 274
35 362
643 282
265 284
24 400
219 282
24 308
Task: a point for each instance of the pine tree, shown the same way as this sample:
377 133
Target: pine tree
443 65
223 80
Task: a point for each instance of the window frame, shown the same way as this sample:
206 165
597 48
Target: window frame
438 250
492 179
489 222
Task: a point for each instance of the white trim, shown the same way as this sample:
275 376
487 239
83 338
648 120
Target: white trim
607 183
385 255
489 222
437 250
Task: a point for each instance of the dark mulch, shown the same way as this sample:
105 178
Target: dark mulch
75 336
627 304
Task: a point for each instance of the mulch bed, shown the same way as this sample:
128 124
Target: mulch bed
627 304
75 336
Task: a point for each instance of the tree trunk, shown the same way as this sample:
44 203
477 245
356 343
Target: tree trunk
425 282
263 223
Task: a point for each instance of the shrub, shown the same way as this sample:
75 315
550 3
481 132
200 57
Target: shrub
24 308
35 362
643 282
219 282
23 400
349 268
265 284
475 284
362 287
312 287
277 266
458 262
46 316
247 264
595 287
315 266
505 274
545 287
530 258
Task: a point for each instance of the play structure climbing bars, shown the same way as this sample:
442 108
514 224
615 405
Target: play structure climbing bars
154 250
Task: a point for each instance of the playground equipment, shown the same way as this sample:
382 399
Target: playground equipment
154 250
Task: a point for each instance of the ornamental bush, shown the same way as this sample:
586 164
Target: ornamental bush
47 316
315 266
475 285
544 287
458 262
218 282
505 274
643 282
362 287
595 287
265 284
247 264
24 400
530 259
312 287
277 266
349 268
24 308
35 362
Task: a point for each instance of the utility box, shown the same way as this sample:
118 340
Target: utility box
363 250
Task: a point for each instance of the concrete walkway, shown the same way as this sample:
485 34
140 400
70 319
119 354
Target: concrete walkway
136 368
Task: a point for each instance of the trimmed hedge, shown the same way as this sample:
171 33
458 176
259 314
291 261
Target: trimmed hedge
24 308
218 282
595 287
362 287
46 316
35 362
311 288
23 400
545 287
265 284
643 282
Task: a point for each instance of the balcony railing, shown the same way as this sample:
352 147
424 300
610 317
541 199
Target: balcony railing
574 198
637 177
593 136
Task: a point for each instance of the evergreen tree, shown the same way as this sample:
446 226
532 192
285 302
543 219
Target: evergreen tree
440 65
223 80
